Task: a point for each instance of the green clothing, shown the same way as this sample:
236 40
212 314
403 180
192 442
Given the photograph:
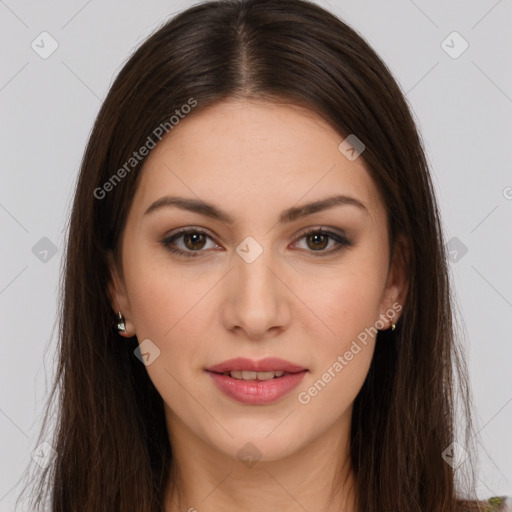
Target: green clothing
499 504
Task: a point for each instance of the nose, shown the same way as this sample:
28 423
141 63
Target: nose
257 302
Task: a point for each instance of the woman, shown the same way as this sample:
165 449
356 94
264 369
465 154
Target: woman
255 215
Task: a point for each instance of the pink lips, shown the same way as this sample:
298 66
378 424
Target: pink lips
257 391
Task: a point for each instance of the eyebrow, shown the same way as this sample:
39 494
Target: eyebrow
287 216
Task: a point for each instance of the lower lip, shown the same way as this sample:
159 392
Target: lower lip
257 391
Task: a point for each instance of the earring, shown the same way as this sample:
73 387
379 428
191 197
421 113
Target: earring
393 326
120 325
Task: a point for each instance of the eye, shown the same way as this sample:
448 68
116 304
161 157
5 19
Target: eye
193 240
318 239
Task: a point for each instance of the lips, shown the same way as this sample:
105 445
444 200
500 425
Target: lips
268 364
257 392
256 382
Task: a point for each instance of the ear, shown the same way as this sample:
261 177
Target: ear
397 284
118 296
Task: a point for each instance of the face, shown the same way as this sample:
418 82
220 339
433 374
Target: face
256 274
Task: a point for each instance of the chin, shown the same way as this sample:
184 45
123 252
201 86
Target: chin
252 445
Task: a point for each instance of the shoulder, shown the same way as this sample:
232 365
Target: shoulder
494 504
502 503
499 504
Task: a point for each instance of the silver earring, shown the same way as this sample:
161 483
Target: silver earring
120 325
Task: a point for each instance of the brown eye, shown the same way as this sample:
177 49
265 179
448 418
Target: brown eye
317 241
194 241
188 242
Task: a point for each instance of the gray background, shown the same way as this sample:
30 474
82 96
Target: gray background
463 107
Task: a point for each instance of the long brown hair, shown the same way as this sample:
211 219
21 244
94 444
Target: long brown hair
112 448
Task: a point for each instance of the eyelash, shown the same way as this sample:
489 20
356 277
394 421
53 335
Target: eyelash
341 240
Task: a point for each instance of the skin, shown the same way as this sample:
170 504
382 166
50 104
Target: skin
254 159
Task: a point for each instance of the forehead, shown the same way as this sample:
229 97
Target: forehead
246 152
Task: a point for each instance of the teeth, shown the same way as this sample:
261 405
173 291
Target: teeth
246 375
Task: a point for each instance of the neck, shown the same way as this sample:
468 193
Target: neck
316 478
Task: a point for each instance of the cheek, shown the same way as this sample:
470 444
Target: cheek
348 299
174 308
349 306
328 393
163 295
171 309
348 303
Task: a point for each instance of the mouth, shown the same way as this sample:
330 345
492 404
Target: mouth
248 375
258 376
256 382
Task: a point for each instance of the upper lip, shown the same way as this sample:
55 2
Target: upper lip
268 364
